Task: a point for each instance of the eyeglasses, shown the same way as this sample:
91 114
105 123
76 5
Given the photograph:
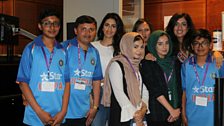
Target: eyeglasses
49 24
203 44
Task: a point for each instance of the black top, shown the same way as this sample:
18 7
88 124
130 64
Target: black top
152 76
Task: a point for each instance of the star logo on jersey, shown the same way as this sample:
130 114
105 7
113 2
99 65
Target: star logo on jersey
93 61
77 72
195 89
61 63
44 77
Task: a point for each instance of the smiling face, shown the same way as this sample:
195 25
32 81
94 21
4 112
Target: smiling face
86 33
162 46
201 46
181 28
109 28
50 26
138 49
144 30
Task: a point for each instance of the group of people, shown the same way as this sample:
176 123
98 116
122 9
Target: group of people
143 77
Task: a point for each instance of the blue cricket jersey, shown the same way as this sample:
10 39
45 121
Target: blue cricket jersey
198 115
85 67
34 71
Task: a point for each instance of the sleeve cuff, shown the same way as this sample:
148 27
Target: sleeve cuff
127 112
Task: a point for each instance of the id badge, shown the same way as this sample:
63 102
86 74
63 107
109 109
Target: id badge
134 124
144 122
48 86
169 95
79 86
201 101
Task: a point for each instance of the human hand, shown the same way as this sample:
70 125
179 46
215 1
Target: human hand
219 58
25 102
58 118
45 117
184 119
139 114
149 56
90 116
174 115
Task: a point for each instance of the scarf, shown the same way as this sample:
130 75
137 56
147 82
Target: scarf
126 58
166 63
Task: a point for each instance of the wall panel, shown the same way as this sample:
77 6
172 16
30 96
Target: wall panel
214 9
28 12
157 10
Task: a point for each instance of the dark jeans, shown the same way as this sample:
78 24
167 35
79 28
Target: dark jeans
75 122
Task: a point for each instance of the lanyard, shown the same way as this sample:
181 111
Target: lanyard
137 76
197 76
79 61
48 64
168 79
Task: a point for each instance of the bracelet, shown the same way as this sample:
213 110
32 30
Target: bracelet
95 107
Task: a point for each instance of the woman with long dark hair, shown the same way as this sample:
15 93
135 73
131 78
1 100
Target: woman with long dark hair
109 34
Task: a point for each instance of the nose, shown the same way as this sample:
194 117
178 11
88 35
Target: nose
179 26
109 27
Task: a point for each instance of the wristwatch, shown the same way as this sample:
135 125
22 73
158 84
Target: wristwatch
95 107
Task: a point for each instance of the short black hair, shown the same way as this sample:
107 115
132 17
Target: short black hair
201 33
48 12
84 19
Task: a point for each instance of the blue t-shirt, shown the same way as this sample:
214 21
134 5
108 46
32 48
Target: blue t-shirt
47 87
85 67
199 115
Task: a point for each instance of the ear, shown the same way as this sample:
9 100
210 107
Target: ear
39 26
192 47
211 46
75 31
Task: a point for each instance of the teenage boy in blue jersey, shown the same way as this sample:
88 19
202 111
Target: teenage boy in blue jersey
198 81
43 75
85 72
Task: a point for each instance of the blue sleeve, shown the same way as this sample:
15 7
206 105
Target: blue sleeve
183 76
97 75
25 65
65 44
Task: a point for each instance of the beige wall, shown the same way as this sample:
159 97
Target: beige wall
94 8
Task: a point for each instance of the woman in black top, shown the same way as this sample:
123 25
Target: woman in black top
162 81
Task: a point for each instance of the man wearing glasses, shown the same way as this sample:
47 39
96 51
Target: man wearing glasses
43 75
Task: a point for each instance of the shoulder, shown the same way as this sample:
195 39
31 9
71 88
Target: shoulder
115 68
189 60
65 44
94 49
95 43
69 42
30 46
148 63
115 65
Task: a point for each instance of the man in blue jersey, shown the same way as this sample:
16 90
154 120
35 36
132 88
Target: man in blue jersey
198 82
85 72
43 75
